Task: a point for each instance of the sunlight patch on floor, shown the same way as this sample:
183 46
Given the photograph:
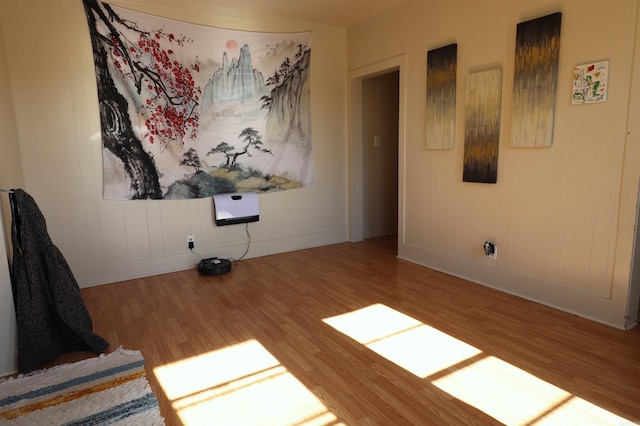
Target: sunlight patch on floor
516 397
412 345
241 384
499 389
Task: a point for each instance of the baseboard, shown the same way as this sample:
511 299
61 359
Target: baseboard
105 274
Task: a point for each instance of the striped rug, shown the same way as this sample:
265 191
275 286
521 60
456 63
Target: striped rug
108 390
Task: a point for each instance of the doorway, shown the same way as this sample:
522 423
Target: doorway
380 97
357 78
633 299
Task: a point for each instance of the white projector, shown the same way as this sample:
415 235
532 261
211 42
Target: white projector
236 207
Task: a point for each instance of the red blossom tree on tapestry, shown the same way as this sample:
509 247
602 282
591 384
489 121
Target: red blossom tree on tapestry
165 86
160 87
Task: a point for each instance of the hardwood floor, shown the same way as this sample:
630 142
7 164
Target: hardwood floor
270 343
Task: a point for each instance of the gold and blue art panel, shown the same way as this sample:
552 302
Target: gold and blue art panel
535 82
441 97
482 126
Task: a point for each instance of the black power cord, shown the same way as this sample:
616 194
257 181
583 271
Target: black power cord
246 229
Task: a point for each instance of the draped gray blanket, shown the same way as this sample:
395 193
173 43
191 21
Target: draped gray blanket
51 315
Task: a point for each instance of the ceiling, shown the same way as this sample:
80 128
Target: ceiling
342 13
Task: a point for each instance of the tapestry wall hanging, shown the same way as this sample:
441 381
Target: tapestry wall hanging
535 81
442 64
188 111
482 126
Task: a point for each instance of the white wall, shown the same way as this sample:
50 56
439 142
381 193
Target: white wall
50 67
8 330
561 217
10 176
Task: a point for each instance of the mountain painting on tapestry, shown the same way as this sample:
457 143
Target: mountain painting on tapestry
189 111
535 81
441 97
482 126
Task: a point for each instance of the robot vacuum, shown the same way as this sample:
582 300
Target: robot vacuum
214 266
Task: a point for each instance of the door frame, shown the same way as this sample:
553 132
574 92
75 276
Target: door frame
356 143
633 296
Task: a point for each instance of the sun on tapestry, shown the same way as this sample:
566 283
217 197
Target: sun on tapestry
188 111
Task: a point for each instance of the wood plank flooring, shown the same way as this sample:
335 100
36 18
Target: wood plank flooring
260 345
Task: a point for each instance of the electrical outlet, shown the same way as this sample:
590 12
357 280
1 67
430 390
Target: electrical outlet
494 255
190 242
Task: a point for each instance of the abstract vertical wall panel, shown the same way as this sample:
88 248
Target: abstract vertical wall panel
441 97
535 81
482 126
